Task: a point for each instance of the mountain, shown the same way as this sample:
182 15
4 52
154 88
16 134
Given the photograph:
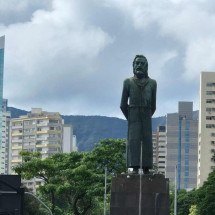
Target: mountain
89 130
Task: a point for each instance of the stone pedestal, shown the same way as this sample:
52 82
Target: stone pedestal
126 195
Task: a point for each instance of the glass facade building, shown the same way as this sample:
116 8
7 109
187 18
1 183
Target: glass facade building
182 146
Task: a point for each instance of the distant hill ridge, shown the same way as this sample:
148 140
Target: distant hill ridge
89 130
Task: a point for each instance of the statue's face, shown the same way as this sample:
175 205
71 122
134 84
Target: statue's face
140 68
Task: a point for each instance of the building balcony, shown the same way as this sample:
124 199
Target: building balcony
47 145
55 131
17 134
16 161
16 147
42 138
42 124
16 140
41 145
16 127
43 132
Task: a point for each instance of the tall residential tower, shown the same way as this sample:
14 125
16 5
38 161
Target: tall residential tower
2 40
206 148
38 131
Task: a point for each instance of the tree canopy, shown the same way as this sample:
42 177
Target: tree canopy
73 183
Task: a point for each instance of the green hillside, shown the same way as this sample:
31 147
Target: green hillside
91 129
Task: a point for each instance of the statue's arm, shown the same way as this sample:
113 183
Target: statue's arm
154 91
124 99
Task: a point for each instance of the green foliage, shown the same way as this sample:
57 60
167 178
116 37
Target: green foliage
185 200
74 182
193 210
102 156
196 202
206 193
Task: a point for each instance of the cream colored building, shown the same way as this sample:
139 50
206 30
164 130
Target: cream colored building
39 131
161 151
154 145
4 151
206 147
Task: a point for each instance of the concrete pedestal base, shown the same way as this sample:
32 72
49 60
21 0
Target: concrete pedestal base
126 195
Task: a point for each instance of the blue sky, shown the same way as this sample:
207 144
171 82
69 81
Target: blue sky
72 56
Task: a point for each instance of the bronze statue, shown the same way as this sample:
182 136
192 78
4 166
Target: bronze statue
138 104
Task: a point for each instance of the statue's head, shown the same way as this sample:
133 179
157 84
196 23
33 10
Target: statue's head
140 66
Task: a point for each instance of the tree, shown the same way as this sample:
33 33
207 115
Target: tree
193 210
185 199
74 182
205 194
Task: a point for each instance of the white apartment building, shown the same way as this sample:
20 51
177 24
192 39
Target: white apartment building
206 147
154 145
38 131
161 149
6 115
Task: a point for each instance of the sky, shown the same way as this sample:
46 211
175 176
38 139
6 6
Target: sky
72 56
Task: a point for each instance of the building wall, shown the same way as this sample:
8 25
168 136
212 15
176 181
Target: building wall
182 146
38 131
2 41
206 126
155 147
161 150
67 138
6 116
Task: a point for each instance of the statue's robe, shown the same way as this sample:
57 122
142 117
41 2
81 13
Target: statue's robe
138 104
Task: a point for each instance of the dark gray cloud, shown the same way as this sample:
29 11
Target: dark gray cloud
72 56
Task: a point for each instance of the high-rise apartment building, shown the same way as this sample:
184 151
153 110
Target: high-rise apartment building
206 147
6 116
154 147
2 41
161 149
38 131
182 146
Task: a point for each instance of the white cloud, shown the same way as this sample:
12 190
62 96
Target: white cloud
187 23
199 57
61 53
53 49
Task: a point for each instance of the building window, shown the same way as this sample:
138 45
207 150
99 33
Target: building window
161 156
210 92
210 84
210 117
210 125
53 121
210 109
209 101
